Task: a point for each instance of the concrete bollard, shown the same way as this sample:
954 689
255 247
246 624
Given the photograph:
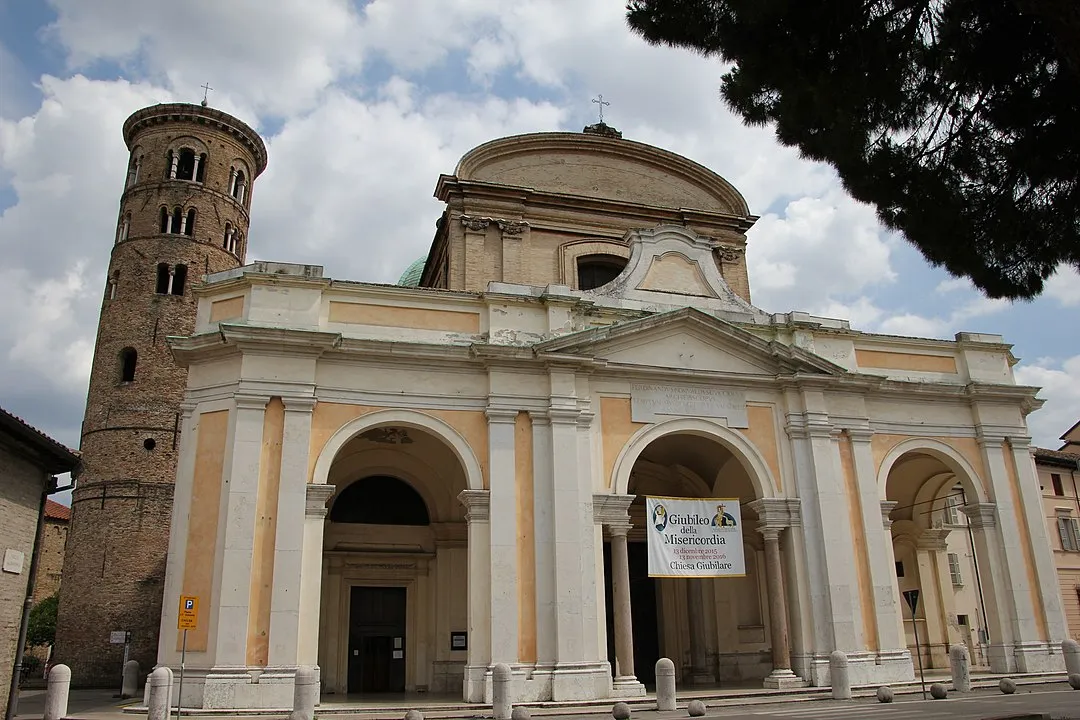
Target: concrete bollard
620 711
130 687
961 668
157 707
838 676
414 715
695 708
665 684
1071 650
938 691
1007 686
520 712
1074 681
56 693
884 694
501 705
305 693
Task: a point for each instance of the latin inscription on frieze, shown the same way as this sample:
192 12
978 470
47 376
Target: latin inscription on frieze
650 403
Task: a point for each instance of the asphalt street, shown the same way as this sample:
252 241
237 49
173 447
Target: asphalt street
1060 704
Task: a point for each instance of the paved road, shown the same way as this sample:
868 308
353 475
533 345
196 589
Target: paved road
1053 701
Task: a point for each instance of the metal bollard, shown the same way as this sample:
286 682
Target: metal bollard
961 668
501 705
157 707
838 676
665 684
56 694
305 693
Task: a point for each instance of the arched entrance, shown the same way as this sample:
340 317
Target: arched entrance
394 556
936 548
713 629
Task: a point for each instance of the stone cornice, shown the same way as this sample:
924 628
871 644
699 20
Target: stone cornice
980 515
887 506
477 505
279 341
198 115
316 497
611 509
777 513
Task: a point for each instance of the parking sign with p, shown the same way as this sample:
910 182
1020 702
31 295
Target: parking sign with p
188 617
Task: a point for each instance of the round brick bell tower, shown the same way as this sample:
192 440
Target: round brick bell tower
183 214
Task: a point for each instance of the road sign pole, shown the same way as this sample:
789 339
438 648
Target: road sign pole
180 687
912 598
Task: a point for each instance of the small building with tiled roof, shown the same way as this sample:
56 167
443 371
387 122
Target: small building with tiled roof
28 461
1059 480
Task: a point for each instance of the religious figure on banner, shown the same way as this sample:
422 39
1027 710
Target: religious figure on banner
659 518
723 519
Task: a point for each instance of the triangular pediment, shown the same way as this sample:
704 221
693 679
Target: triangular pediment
688 339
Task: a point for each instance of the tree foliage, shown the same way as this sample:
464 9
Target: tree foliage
958 120
41 629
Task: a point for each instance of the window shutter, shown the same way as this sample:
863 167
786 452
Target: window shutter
1074 526
1063 532
954 569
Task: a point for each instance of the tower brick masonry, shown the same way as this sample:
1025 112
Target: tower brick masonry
183 214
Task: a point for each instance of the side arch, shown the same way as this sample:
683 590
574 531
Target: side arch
944 452
743 450
474 477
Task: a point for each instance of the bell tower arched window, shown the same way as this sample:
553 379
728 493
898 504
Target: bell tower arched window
188 226
165 220
237 184
596 270
185 168
179 279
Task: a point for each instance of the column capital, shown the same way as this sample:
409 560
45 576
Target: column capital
981 515
887 506
188 408
251 402
933 539
611 509
476 224
770 533
500 415
585 418
512 227
860 435
564 416
477 505
316 496
539 417
296 403
777 512
1020 442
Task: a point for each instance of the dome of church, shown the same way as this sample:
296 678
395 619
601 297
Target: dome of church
411 276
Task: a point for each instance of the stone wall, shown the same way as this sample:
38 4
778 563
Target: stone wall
21 483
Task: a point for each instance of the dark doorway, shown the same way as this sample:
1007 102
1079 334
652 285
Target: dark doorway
642 612
377 640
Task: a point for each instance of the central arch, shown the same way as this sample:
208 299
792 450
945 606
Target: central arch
395 550
715 629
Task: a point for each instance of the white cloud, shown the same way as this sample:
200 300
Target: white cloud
1064 286
274 57
1060 383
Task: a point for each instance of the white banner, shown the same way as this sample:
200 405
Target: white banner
694 537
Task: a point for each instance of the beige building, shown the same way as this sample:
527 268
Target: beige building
405 485
1059 478
28 461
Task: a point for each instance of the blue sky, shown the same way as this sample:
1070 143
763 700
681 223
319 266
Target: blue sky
362 106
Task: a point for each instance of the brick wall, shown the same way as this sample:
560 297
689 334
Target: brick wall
117 544
21 483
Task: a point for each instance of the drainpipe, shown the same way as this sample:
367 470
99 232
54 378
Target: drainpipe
28 604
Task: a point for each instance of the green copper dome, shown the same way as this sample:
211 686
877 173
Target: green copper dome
411 276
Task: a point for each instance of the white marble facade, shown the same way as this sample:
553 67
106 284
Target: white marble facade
526 419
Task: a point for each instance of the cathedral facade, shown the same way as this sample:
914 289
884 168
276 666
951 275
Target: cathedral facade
405 485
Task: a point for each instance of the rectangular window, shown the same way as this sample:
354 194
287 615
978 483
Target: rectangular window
899 569
962 620
1056 480
949 514
954 570
1069 531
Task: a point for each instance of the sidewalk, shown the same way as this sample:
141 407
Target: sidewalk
103 705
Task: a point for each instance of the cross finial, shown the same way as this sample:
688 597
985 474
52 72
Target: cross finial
599 100
206 90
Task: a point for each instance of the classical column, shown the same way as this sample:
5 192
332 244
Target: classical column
930 551
620 596
172 168
475 257
477 513
503 527
982 519
695 612
195 169
781 675
513 240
